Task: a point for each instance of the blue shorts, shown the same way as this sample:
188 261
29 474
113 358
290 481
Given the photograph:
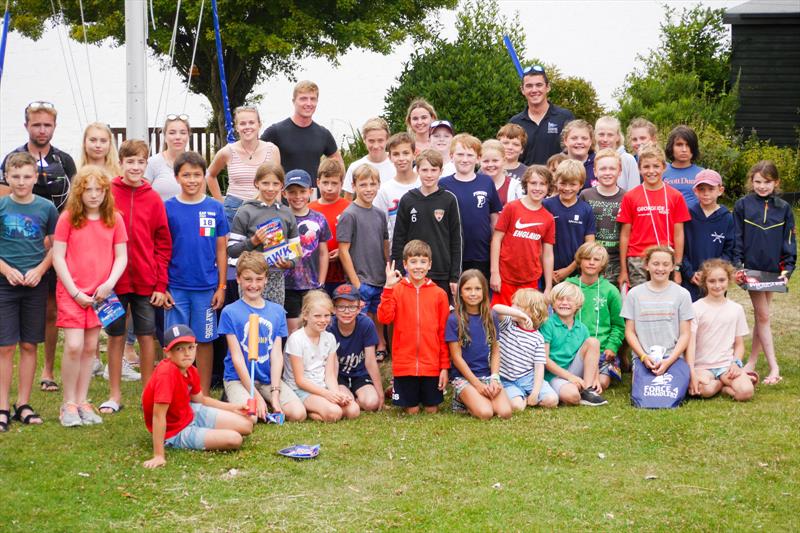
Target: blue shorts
231 204
193 436
371 296
523 387
193 308
719 371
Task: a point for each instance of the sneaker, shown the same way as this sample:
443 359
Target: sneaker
87 414
69 416
97 368
591 398
128 372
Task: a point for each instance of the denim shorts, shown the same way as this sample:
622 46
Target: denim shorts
371 296
193 436
719 371
231 205
193 308
144 316
523 387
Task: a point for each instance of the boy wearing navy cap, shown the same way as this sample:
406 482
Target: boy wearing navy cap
178 414
311 269
359 375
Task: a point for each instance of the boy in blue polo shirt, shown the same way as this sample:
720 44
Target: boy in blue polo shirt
478 203
197 267
575 222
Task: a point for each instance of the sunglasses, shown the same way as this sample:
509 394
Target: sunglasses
35 106
182 116
534 68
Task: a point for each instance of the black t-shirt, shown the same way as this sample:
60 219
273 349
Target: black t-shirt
544 139
56 171
301 147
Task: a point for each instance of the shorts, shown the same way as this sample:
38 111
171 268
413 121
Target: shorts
718 372
410 391
523 387
293 302
193 308
231 204
607 370
23 312
144 316
507 291
193 436
354 383
612 271
330 286
71 314
237 394
371 296
636 272
575 367
51 279
460 383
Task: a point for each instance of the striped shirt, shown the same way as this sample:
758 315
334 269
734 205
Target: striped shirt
241 174
520 349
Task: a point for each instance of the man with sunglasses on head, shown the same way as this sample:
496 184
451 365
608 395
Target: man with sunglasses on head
541 120
55 170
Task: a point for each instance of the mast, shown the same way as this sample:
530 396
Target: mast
136 80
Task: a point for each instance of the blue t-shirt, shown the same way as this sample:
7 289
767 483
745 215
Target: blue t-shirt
588 166
271 325
313 229
477 200
194 229
573 224
476 354
683 180
350 349
23 228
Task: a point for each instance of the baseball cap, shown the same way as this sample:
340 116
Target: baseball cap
177 334
442 124
711 177
299 177
346 292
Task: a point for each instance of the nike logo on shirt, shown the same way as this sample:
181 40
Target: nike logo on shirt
520 225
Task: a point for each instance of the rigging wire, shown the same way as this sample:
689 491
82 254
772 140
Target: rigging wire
64 56
166 79
194 52
88 62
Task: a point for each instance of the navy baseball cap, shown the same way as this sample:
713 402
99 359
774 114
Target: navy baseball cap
346 292
177 334
299 177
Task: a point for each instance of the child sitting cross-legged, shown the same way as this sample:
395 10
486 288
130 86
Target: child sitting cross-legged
178 414
572 355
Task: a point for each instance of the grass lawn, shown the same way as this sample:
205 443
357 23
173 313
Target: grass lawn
710 465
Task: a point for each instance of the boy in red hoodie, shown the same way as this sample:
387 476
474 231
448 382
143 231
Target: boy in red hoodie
418 309
144 282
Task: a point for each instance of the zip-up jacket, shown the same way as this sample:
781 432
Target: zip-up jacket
149 240
706 238
600 312
436 220
765 234
419 315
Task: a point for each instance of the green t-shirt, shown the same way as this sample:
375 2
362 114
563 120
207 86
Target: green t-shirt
23 228
600 313
564 342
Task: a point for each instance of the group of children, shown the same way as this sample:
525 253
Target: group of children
507 283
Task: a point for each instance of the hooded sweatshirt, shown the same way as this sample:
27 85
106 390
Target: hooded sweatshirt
434 219
705 238
600 312
419 315
765 234
149 240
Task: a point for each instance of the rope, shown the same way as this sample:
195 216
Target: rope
152 16
194 51
64 55
166 79
88 62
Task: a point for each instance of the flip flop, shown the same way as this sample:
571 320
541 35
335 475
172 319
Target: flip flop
774 380
754 377
48 385
110 407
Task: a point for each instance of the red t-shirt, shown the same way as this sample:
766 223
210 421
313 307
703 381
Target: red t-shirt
521 251
169 385
667 207
331 213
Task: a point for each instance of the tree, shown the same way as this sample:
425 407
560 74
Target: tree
685 80
472 81
260 39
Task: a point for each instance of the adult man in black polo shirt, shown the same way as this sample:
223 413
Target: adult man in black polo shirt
56 170
541 120
302 141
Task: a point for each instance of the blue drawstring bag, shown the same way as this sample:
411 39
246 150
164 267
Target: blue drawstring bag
666 391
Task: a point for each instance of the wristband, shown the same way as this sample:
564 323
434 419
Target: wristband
77 292
496 377
222 286
275 388
738 362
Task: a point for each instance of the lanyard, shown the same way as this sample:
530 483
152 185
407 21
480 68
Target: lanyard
653 220
596 307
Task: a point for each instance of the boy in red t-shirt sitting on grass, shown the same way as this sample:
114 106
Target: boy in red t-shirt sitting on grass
177 413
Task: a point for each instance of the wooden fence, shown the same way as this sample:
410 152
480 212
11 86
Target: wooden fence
200 140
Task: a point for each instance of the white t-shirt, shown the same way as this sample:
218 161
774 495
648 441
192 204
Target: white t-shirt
314 356
388 200
385 169
161 176
629 177
715 328
448 169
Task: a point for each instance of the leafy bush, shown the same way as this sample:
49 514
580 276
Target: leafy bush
786 158
353 147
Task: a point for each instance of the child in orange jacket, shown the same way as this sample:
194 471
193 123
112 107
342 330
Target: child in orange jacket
418 308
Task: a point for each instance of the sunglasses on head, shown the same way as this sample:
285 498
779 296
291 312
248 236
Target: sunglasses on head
533 69
182 116
34 106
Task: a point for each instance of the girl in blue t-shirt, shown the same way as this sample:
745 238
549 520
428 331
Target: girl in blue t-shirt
471 335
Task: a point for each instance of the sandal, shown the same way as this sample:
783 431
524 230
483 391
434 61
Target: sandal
772 380
380 355
29 419
4 424
109 407
48 385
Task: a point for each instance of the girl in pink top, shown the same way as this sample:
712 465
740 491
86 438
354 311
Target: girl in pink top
89 255
716 344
